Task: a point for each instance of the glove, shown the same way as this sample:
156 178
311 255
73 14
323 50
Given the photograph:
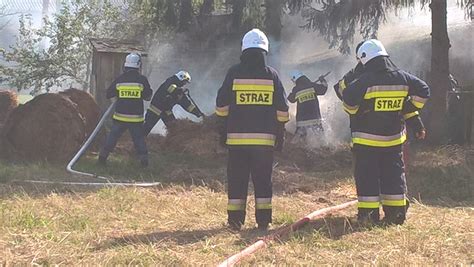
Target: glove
421 134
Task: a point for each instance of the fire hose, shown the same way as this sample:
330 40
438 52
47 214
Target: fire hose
81 151
236 258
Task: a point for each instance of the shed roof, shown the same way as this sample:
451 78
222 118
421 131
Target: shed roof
117 46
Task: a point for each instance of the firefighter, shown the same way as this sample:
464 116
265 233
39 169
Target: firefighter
378 100
170 93
305 94
252 108
412 119
129 90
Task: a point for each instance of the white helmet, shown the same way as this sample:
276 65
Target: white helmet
133 60
183 76
370 49
255 39
295 75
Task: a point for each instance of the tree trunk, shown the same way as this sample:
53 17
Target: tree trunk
439 76
207 7
185 15
273 12
237 14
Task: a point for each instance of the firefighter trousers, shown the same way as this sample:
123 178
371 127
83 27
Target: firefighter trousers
138 137
151 119
254 162
380 179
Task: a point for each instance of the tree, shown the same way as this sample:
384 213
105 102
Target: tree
337 22
66 58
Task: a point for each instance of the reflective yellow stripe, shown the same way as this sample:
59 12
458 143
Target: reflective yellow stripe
410 115
386 91
249 141
263 206
394 203
155 110
222 111
350 109
368 204
171 88
191 108
283 116
308 123
418 102
342 86
235 207
379 143
125 118
252 85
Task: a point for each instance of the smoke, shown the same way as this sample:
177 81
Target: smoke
406 37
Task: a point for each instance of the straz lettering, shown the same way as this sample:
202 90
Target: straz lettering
254 98
389 104
306 97
124 93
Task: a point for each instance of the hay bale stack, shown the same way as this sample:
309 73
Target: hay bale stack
194 138
86 106
8 101
49 127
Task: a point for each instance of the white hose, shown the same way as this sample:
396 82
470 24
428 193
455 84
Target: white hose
83 149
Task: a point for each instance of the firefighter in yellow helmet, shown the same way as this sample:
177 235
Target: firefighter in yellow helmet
130 89
378 100
252 108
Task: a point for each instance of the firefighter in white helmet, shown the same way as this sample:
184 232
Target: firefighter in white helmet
252 108
130 89
169 94
308 115
379 101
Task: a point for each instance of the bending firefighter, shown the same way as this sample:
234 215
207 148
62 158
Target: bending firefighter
129 89
252 108
378 100
308 115
170 93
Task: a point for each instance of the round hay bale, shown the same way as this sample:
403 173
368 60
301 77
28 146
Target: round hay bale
8 101
49 127
194 138
86 106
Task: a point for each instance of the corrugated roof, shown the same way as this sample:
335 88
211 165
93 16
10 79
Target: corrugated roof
117 46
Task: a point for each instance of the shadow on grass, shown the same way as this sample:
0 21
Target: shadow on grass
180 237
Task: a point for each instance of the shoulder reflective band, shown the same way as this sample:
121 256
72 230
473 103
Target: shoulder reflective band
305 95
154 109
386 91
253 85
263 203
388 104
254 98
350 109
236 204
283 116
417 101
129 90
394 200
410 115
308 123
342 86
368 202
222 111
128 117
243 139
171 88
378 140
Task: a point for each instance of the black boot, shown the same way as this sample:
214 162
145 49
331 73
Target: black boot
235 219
368 217
394 215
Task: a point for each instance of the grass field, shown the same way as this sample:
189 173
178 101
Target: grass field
182 222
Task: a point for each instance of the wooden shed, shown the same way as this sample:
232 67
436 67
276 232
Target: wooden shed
107 64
